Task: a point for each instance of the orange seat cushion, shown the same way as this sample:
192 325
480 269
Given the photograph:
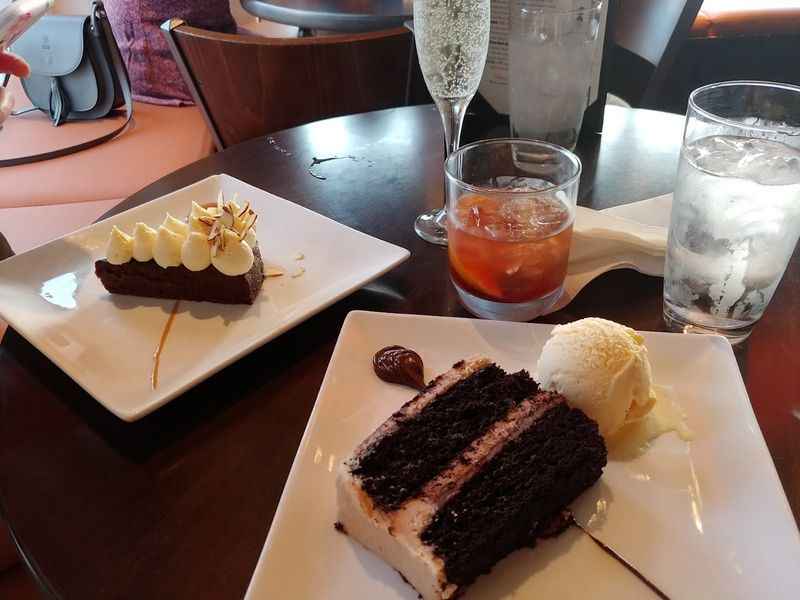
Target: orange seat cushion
26 227
31 226
722 18
161 140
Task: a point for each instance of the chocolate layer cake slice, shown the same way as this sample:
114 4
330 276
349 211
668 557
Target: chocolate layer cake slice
474 467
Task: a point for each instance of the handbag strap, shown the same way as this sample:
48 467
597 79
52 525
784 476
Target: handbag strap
99 27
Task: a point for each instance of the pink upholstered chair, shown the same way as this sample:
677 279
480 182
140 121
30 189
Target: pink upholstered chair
161 140
42 201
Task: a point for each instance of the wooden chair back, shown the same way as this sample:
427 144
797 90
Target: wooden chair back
249 86
647 36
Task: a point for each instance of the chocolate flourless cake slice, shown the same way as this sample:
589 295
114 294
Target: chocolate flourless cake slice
179 283
211 256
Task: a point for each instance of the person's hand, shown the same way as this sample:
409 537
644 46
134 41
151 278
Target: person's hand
14 65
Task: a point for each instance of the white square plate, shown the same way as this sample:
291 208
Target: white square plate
705 519
51 296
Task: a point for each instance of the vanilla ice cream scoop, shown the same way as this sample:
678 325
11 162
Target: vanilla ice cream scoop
600 367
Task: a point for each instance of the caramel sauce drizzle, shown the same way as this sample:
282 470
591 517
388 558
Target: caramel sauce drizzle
161 343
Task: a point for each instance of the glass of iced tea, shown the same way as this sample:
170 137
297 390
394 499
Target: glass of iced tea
510 206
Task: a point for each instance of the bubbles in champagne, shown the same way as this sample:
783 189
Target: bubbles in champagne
452 38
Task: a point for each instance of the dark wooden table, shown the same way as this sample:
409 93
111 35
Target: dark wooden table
333 15
178 505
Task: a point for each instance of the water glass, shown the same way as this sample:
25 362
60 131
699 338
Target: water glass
736 209
510 210
551 57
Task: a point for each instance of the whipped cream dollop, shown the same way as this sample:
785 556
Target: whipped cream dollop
222 235
120 247
167 249
144 239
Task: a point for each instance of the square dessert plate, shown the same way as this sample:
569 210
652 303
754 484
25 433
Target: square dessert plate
106 342
701 519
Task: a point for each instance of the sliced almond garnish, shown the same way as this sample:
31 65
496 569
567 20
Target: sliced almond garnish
228 210
252 222
248 226
214 230
273 272
221 238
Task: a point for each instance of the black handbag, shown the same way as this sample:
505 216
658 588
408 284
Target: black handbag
77 73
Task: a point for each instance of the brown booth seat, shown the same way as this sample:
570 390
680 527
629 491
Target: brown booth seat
729 18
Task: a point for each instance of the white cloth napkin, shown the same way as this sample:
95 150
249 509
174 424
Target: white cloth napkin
631 236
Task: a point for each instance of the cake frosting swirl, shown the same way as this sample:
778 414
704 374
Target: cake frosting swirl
222 236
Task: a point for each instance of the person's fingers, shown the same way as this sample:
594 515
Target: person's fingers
11 63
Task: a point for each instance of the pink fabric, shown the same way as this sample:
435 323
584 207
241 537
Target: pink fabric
30 226
136 24
720 18
162 140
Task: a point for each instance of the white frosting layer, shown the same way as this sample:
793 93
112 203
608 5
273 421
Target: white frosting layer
196 252
199 211
395 536
176 225
234 257
222 236
144 239
167 250
120 247
198 226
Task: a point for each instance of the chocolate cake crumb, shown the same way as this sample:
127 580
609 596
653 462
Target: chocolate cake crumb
398 466
513 500
339 527
555 525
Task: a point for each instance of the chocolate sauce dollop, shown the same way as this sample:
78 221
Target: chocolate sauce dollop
396 364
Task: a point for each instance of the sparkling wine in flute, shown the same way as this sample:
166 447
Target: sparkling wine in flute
452 38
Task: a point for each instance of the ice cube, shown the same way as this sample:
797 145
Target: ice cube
766 162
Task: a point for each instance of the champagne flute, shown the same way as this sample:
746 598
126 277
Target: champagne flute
452 38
